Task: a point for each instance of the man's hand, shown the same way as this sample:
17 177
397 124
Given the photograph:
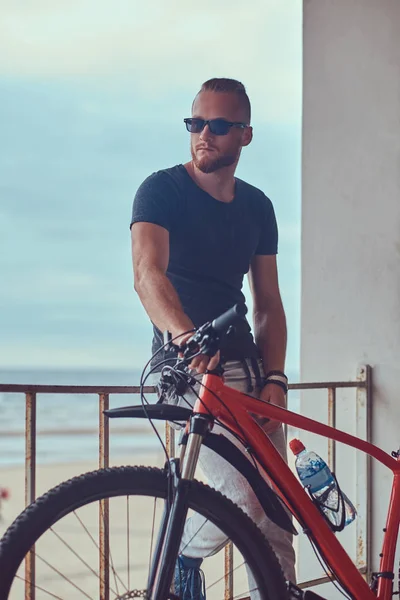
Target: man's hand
201 362
275 395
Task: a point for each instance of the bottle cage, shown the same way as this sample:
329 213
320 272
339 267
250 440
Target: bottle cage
340 508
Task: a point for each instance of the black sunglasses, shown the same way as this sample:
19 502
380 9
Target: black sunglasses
216 126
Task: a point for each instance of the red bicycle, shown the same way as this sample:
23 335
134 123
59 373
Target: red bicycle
180 494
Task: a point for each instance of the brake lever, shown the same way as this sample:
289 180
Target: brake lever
209 345
192 345
204 340
168 343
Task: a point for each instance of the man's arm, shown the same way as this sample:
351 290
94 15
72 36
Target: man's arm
269 315
150 256
269 326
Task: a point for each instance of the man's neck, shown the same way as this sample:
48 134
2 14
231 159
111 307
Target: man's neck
220 184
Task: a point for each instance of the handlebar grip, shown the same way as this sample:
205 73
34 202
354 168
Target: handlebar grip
222 323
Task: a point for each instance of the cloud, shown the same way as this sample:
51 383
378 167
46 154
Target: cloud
157 45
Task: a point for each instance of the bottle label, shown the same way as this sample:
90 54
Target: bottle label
317 479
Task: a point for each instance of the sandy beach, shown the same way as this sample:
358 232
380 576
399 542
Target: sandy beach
50 475
55 549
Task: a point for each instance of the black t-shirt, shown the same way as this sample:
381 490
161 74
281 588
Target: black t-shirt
211 246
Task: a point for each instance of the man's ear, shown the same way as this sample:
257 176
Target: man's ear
247 136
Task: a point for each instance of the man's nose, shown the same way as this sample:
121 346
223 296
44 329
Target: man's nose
205 132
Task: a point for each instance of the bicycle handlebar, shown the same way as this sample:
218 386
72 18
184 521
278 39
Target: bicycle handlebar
222 323
206 338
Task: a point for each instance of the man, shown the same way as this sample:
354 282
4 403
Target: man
196 230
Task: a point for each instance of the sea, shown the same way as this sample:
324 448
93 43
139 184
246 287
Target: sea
67 424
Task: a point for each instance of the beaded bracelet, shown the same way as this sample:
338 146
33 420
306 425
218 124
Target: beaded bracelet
277 382
280 373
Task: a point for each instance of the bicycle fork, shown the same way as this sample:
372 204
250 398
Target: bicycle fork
175 511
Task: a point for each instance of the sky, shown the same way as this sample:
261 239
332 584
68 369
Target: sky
92 100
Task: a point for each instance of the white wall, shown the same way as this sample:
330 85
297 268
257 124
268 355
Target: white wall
351 216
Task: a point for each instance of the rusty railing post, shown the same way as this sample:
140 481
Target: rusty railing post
363 470
228 559
332 423
170 440
30 484
104 514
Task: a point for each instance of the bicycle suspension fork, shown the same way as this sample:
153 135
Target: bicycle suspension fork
176 509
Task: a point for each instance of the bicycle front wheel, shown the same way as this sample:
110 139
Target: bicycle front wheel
127 504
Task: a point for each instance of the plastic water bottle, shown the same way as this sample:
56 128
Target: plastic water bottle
315 474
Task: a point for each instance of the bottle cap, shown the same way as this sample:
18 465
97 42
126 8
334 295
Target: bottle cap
296 446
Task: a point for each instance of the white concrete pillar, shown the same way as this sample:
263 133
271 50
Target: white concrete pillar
351 221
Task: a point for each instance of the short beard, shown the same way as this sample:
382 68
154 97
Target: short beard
207 165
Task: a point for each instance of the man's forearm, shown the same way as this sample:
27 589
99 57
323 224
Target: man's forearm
271 336
162 303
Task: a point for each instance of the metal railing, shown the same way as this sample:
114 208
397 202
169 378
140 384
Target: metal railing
363 387
363 392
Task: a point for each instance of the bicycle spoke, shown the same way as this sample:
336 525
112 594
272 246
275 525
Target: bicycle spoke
94 542
223 577
152 535
87 531
63 576
111 561
217 581
182 551
37 587
77 556
241 597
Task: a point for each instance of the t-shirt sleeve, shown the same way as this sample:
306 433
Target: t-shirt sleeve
156 201
268 241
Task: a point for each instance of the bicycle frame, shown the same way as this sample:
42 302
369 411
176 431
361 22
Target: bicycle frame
239 419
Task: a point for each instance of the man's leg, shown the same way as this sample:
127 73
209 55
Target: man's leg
203 539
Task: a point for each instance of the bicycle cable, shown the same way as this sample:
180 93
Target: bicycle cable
242 440
144 401
322 562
